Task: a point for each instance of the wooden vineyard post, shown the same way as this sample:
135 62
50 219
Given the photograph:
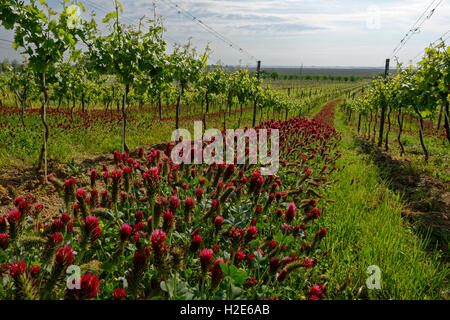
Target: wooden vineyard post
258 68
383 108
289 93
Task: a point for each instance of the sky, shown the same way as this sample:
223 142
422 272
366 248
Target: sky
287 32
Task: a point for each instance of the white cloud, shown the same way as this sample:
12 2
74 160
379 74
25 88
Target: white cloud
318 32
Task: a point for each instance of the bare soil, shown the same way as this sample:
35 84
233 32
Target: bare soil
427 199
29 183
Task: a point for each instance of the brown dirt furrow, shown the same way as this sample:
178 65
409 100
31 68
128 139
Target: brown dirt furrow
427 199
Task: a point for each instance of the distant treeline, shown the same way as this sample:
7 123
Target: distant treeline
14 64
274 75
266 74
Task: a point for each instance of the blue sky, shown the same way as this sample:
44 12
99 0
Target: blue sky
290 32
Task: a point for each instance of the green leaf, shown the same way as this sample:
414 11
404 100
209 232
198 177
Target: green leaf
258 256
183 290
167 286
109 16
225 268
278 237
254 244
81 6
235 292
238 275
108 267
289 239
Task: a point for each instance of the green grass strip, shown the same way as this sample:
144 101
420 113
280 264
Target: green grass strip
365 228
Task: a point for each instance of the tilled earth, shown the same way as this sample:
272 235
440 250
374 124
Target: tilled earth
27 183
427 199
